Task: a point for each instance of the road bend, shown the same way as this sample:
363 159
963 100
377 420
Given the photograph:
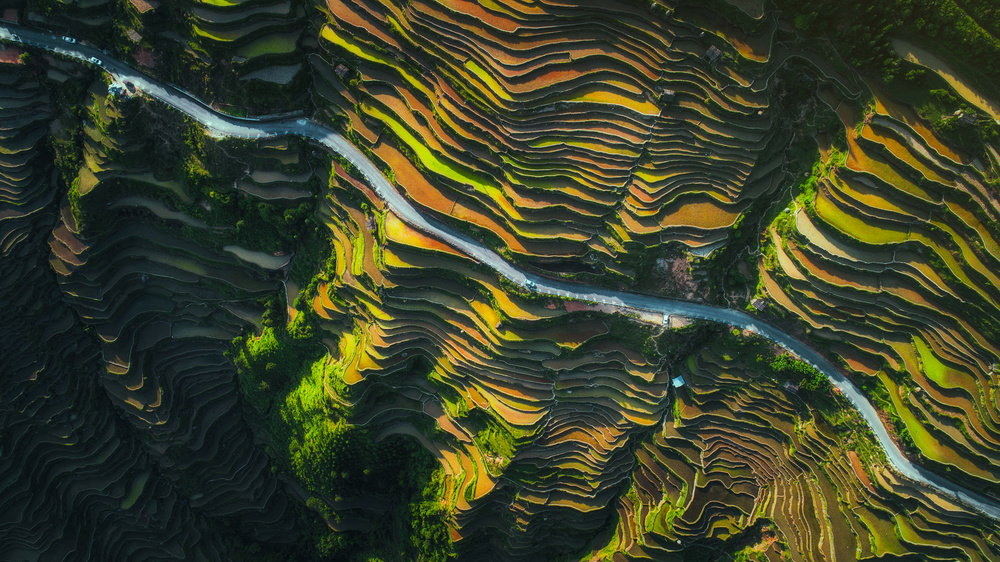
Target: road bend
221 125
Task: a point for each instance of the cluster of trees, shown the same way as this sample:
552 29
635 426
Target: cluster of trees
786 367
282 374
939 106
861 29
985 12
67 154
428 534
208 169
337 460
758 354
878 394
278 355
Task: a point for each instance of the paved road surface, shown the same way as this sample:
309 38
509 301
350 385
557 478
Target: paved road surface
226 126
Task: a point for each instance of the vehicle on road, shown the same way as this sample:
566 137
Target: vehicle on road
530 285
96 61
68 39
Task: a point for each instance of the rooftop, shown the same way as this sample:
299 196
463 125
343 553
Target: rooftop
713 54
143 6
10 55
667 95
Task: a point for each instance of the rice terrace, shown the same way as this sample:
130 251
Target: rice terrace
605 280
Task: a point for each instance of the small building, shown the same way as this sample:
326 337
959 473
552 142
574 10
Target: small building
791 387
340 71
10 55
116 89
713 54
968 119
759 304
238 59
133 35
666 96
143 6
677 382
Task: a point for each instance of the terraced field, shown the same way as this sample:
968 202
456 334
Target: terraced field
894 266
227 342
77 484
574 141
251 34
515 388
742 457
123 428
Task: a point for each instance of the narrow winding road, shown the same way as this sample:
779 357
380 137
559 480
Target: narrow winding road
221 125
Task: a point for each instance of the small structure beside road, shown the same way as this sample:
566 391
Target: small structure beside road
10 55
713 54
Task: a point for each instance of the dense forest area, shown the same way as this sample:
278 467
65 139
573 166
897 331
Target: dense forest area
861 30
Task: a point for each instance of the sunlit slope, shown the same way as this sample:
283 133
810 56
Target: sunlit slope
740 451
546 130
548 422
551 127
894 264
533 406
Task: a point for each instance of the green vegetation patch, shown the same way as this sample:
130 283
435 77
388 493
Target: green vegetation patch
283 376
272 44
761 356
861 30
936 102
